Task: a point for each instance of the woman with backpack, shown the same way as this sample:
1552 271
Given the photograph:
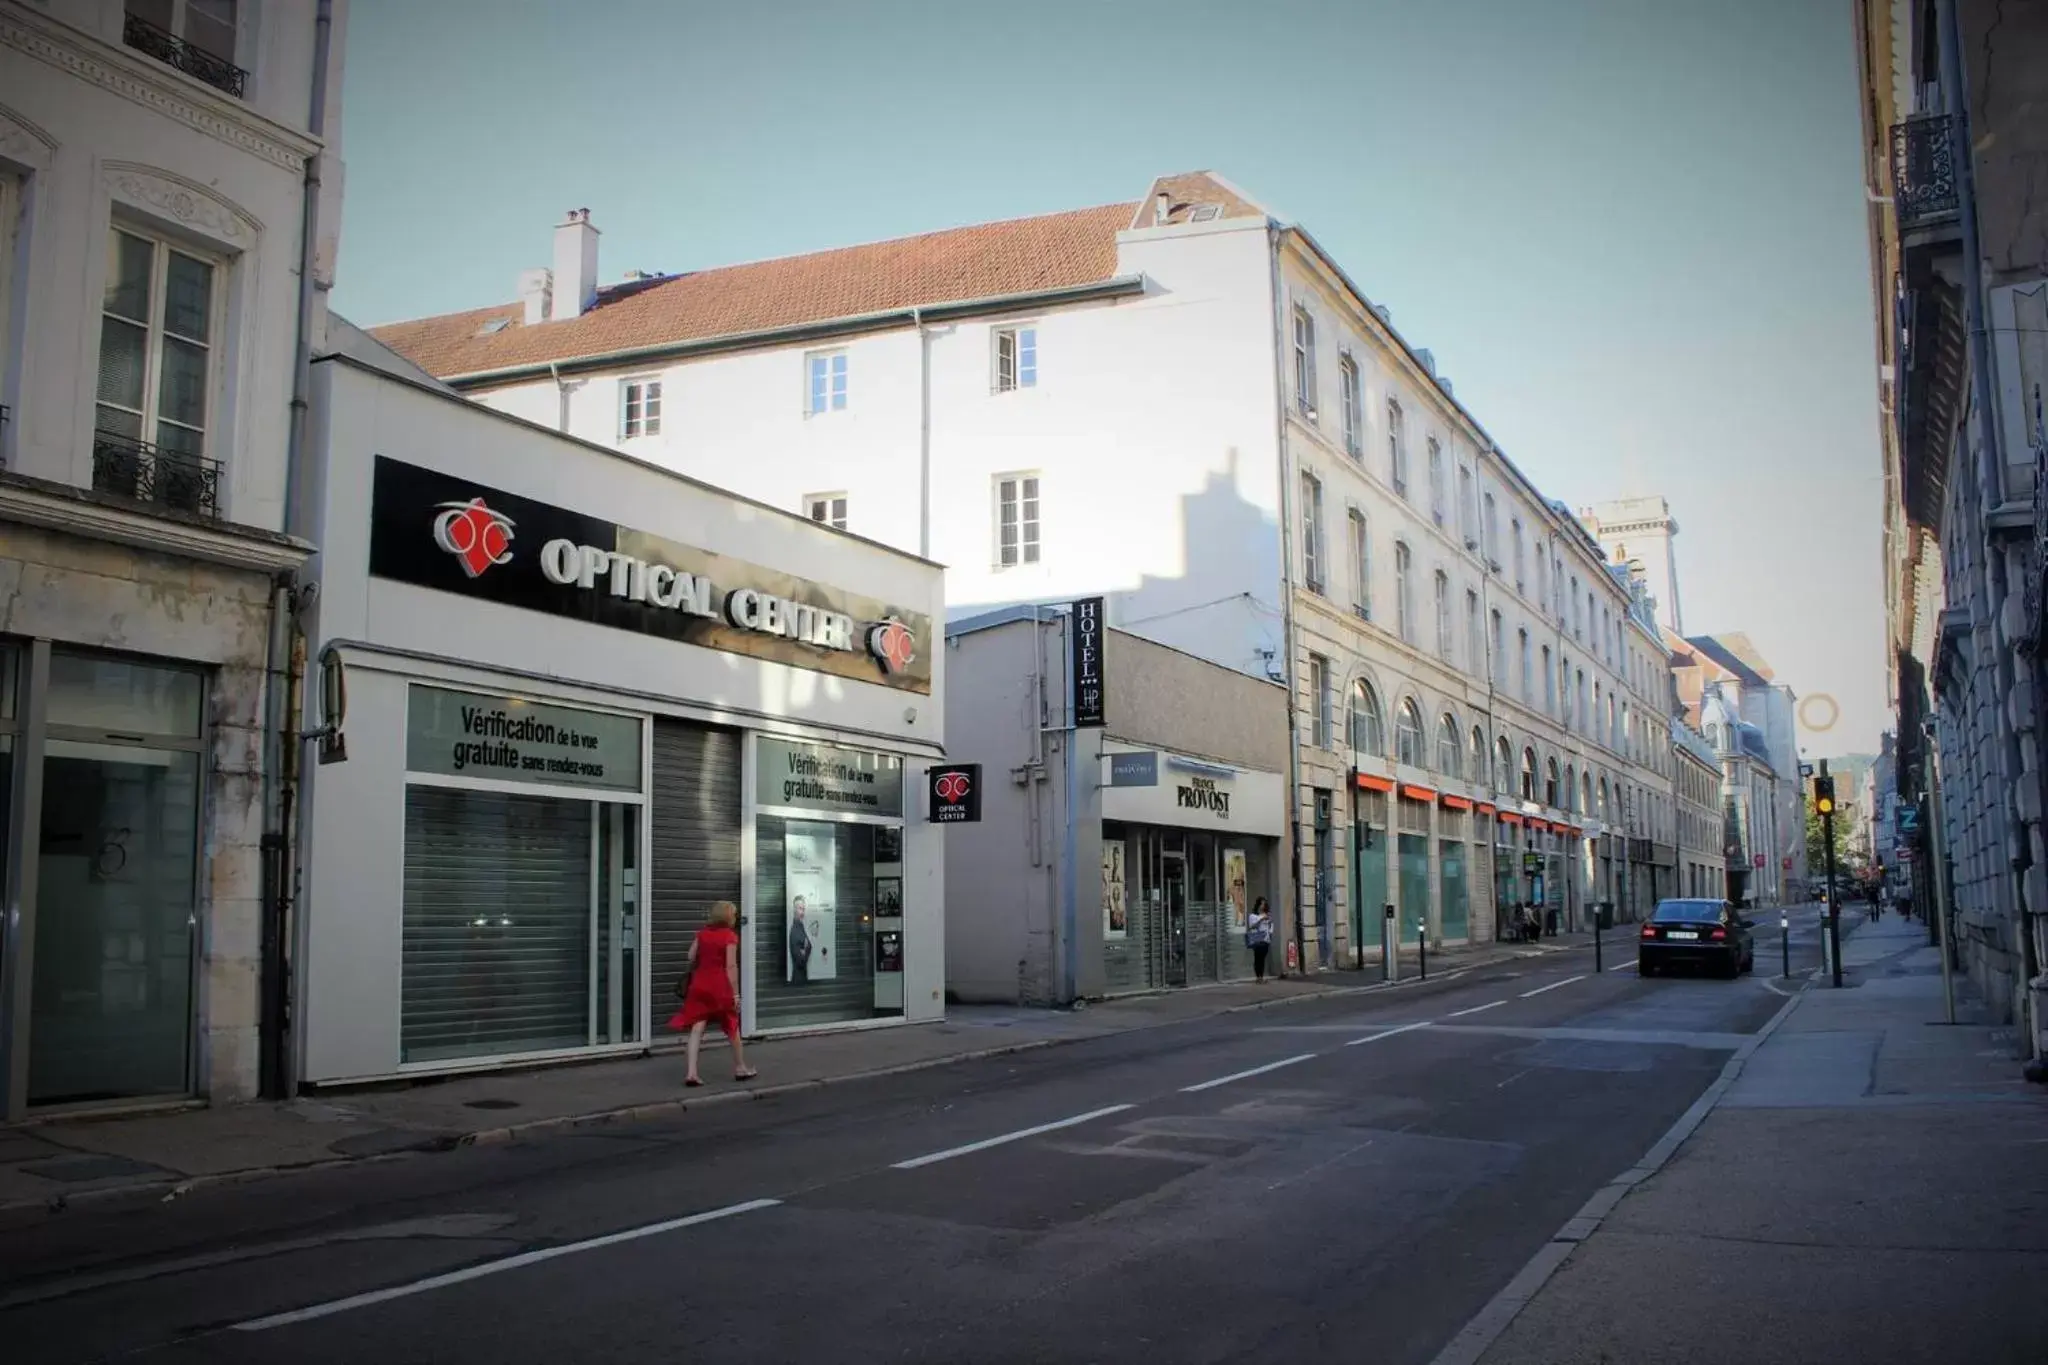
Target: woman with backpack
1258 936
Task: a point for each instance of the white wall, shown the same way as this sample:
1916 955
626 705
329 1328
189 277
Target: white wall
1151 428
93 132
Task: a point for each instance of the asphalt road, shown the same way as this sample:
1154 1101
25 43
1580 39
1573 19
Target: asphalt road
1284 1185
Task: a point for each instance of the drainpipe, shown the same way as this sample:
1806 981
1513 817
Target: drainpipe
278 853
924 434
1273 232
1990 488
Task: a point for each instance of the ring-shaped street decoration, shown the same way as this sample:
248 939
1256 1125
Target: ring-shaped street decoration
1807 707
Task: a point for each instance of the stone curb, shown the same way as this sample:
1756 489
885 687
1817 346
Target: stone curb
177 1186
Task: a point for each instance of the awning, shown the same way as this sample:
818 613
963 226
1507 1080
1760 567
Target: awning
1451 802
1486 808
1375 784
1508 817
1417 793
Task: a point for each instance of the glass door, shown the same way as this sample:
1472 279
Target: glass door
615 914
1174 881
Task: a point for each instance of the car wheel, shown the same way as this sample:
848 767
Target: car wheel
1644 968
1733 969
1748 962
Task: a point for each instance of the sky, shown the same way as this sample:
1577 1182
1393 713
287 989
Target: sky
1632 231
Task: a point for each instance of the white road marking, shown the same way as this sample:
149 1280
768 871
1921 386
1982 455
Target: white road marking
1255 1071
931 1157
1387 1033
1476 1009
477 1272
1553 986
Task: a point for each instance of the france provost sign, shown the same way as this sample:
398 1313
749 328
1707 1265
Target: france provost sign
436 531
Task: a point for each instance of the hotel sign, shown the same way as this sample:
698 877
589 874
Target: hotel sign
435 531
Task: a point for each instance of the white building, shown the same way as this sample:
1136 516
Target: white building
1182 403
1701 817
1641 535
168 205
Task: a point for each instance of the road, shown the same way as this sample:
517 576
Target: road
1300 1183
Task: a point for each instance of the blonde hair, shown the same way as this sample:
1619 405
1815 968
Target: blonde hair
723 914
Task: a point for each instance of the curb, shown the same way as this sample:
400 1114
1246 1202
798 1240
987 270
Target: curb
1486 1327
174 1187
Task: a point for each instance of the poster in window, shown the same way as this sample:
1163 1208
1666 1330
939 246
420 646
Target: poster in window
1115 915
1235 889
810 865
888 898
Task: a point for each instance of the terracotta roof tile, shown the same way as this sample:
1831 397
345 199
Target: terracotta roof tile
987 260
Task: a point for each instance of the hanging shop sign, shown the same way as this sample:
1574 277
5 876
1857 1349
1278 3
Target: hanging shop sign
954 794
1087 661
1133 769
824 777
513 739
435 531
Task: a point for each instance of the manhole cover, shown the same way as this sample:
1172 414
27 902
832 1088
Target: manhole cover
490 1104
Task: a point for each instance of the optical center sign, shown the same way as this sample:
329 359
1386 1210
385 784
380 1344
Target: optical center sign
435 531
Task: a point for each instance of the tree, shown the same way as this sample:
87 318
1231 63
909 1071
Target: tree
1852 860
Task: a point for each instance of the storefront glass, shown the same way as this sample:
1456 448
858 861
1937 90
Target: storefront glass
521 894
116 881
1369 869
1451 861
1175 905
828 885
1414 854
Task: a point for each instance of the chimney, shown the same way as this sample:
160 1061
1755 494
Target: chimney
1162 206
575 265
535 287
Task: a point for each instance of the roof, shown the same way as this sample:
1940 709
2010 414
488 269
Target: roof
1733 654
1019 256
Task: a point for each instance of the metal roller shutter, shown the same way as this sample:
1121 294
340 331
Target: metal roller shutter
496 955
696 839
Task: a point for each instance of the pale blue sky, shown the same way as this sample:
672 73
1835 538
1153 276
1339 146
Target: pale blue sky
1631 230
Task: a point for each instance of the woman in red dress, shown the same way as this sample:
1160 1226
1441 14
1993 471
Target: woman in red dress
714 989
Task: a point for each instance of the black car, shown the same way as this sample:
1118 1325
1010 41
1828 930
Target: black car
1696 932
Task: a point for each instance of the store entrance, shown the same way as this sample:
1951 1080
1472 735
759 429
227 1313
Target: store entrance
1173 877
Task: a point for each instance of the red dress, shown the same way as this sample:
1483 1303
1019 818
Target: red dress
709 998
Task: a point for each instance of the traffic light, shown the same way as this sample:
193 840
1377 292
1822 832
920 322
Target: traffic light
1824 795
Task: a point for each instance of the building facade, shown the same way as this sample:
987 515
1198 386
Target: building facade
1134 866
168 205
1955 150
1641 535
568 702
1701 819
1184 405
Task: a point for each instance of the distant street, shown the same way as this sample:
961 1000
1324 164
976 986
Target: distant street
1279 1186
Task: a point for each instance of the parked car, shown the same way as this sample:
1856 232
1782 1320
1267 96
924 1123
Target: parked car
1696 932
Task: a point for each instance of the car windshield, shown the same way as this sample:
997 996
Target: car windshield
1687 912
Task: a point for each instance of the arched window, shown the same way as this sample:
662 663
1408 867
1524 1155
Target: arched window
1478 755
1585 793
1528 774
1550 783
1503 766
1368 725
1450 753
1571 787
1603 798
1408 740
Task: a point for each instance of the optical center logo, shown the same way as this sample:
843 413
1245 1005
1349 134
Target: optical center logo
892 644
474 534
952 786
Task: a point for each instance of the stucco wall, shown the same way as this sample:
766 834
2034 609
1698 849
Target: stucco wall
1160 696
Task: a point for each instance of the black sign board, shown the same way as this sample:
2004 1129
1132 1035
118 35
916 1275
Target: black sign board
955 794
1085 658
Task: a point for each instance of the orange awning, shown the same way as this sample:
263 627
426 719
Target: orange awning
1375 784
1508 817
1486 808
1418 793
1454 802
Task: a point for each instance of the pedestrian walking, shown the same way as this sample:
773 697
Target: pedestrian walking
1258 936
711 990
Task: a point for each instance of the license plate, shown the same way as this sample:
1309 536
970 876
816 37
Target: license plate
1680 933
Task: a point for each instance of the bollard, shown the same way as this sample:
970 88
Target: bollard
1390 946
1599 958
1422 949
1785 940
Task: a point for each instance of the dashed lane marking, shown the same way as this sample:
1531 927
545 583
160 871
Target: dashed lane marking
1255 1071
931 1157
1554 985
1476 1009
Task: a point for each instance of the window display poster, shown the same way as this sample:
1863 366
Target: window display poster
810 868
1234 887
1115 915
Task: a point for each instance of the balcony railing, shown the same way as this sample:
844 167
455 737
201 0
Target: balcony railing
1924 170
138 471
171 50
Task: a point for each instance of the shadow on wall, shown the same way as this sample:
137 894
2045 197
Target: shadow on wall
1224 604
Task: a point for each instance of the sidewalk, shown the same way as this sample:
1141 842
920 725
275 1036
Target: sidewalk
1872 1187
49 1164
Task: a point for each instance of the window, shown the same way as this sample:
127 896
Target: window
1577 606
1549 685
1528 774
1468 511
1557 585
1368 725
1492 530
639 408
1571 788
1564 687
1450 750
1519 587
195 36
1436 481
1016 358
1353 401
1397 450
829 508
1478 773
1542 583
1319 698
157 347
1408 735
1443 614
828 382
1016 520
1474 641
1607 635
1312 532
1403 617
1550 783
1528 681
1361 565
1585 793
1500 654
1503 765
1305 363
1585 719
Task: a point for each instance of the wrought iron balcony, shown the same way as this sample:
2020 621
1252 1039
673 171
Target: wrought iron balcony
171 50
1924 170
138 471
